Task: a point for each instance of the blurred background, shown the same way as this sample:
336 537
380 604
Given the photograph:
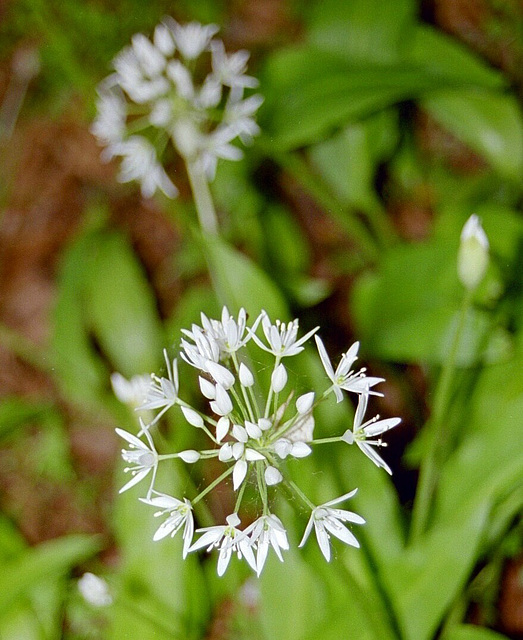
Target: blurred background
386 124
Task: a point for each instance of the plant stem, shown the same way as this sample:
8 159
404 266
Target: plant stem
437 434
202 199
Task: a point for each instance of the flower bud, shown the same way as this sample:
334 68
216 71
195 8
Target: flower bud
192 417
190 456
279 378
272 476
246 377
305 402
473 253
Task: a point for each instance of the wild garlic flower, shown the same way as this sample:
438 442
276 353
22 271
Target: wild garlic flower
95 590
132 392
361 431
255 431
327 520
180 88
344 378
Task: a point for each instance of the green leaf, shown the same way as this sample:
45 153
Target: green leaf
366 30
121 307
48 561
79 369
489 123
240 282
425 578
445 57
471 632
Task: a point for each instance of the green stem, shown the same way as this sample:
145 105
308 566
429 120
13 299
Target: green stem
213 484
202 199
437 434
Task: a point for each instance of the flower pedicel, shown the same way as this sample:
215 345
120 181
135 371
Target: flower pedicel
252 432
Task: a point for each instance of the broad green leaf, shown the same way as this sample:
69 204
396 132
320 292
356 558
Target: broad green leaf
425 578
48 561
365 30
79 369
16 412
446 57
348 161
121 307
241 283
471 632
490 123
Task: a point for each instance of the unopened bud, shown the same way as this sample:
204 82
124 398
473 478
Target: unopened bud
473 253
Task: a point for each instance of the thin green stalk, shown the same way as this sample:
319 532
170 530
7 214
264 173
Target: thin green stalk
202 199
437 434
213 484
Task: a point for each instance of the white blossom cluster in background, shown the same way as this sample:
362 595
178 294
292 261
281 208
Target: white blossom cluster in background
251 431
180 87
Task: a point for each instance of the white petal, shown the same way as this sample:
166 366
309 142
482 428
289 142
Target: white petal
251 455
221 374
381 426
135 479
207 388
239 473
279 378
324 357
239 433
300 450
323 540
222 428
223 560
342 498
342 533
253 430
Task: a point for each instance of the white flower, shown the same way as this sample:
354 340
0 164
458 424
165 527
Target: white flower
109 124
239 115
162 393
95 590
222 405
268 531
228 332
139 162
304 403
179 514
327 520
229 539
192 417
344 377
132 392
143 458
193 38
230 69
282 337
246 377
375 427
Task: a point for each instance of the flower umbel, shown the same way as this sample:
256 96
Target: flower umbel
253 432
182 89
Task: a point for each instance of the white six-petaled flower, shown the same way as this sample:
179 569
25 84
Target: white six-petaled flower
329 521
179 515
361 431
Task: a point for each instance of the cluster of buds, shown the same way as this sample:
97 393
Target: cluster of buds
252 433
180 87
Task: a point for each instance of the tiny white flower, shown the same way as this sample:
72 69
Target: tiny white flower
192 417
95 590
266 531
272 476
279 378
282 338
344 377
162 393
139 162
132 392
229 539
143 458
109 124
230 69
193 38
363 430
327 520
179 514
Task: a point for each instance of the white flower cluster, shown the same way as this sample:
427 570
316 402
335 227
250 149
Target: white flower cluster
159 93
252 433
